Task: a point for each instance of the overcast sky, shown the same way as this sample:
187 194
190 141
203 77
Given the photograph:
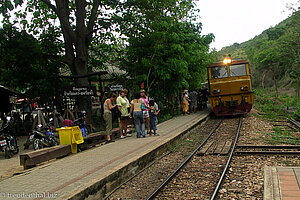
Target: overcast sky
240 20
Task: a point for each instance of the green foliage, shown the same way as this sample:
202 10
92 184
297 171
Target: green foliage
166 50
27 64
278 136
275 52
276 107
161 43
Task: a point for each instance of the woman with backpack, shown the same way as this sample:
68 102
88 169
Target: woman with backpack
145 99
137 113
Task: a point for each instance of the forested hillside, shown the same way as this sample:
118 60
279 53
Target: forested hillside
273 55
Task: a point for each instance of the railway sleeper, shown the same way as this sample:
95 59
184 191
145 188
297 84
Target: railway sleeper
213 148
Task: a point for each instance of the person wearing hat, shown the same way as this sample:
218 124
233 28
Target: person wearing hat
145 99
185 102
123 105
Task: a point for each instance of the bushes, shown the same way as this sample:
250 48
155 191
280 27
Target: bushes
276 107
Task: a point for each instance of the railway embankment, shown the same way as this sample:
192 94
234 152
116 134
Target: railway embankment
245 177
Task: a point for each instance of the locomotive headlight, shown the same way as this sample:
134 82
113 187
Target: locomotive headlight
227 59
244 88
215 91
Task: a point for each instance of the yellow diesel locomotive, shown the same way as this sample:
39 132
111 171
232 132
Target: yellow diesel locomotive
230 90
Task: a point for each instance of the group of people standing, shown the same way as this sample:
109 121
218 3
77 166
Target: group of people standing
143 112
194 100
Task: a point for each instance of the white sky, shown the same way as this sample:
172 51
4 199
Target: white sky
240 20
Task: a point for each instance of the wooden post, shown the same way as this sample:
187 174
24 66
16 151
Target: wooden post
298 87
101 97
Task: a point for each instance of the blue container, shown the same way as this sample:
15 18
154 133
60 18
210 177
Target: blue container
83 131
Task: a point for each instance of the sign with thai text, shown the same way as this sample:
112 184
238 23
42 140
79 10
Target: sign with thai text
116 88
79 91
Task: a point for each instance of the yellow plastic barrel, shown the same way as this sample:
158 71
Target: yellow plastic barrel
70 135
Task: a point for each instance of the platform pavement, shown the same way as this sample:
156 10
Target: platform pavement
281 183
75 176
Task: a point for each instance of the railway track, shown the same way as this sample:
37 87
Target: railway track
289 123
209 160
198 178
267 149
295 123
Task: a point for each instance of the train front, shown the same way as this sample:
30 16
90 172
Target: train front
230 90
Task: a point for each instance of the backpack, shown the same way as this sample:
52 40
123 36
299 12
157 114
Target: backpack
115 113
143 106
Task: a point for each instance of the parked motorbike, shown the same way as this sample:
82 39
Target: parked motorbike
41 137
8 142
41 140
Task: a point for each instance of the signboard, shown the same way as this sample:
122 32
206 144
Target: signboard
79 91
116 88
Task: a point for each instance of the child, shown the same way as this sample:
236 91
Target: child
153 112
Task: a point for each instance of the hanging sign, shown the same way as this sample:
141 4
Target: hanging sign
79 91
116 88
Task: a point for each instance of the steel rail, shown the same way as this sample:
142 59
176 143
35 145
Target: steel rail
147 167
156 190
213 196
268 147
294 122
267 152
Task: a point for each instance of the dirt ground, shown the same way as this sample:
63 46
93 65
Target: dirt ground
9 167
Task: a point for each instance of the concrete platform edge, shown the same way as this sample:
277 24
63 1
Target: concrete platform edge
271 184
106 185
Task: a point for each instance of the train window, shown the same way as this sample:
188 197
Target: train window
219 72
237 70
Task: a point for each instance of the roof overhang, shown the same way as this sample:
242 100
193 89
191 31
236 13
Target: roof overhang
7 91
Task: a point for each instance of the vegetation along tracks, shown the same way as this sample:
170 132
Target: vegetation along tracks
196 176
273 149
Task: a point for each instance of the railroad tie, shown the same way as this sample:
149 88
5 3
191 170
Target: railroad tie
204 149
219 147
211 149
226 148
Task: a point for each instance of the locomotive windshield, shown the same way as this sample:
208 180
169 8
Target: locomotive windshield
219 72
238 70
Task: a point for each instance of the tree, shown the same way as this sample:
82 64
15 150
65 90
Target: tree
165 50
292 42
29 65
280 51
79 22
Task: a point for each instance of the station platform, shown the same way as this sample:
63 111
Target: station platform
99 170
281 183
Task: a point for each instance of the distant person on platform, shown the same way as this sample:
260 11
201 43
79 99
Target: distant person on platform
137 114
153 112
145 99
107 115
204 94
194 100
185 102
123 105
